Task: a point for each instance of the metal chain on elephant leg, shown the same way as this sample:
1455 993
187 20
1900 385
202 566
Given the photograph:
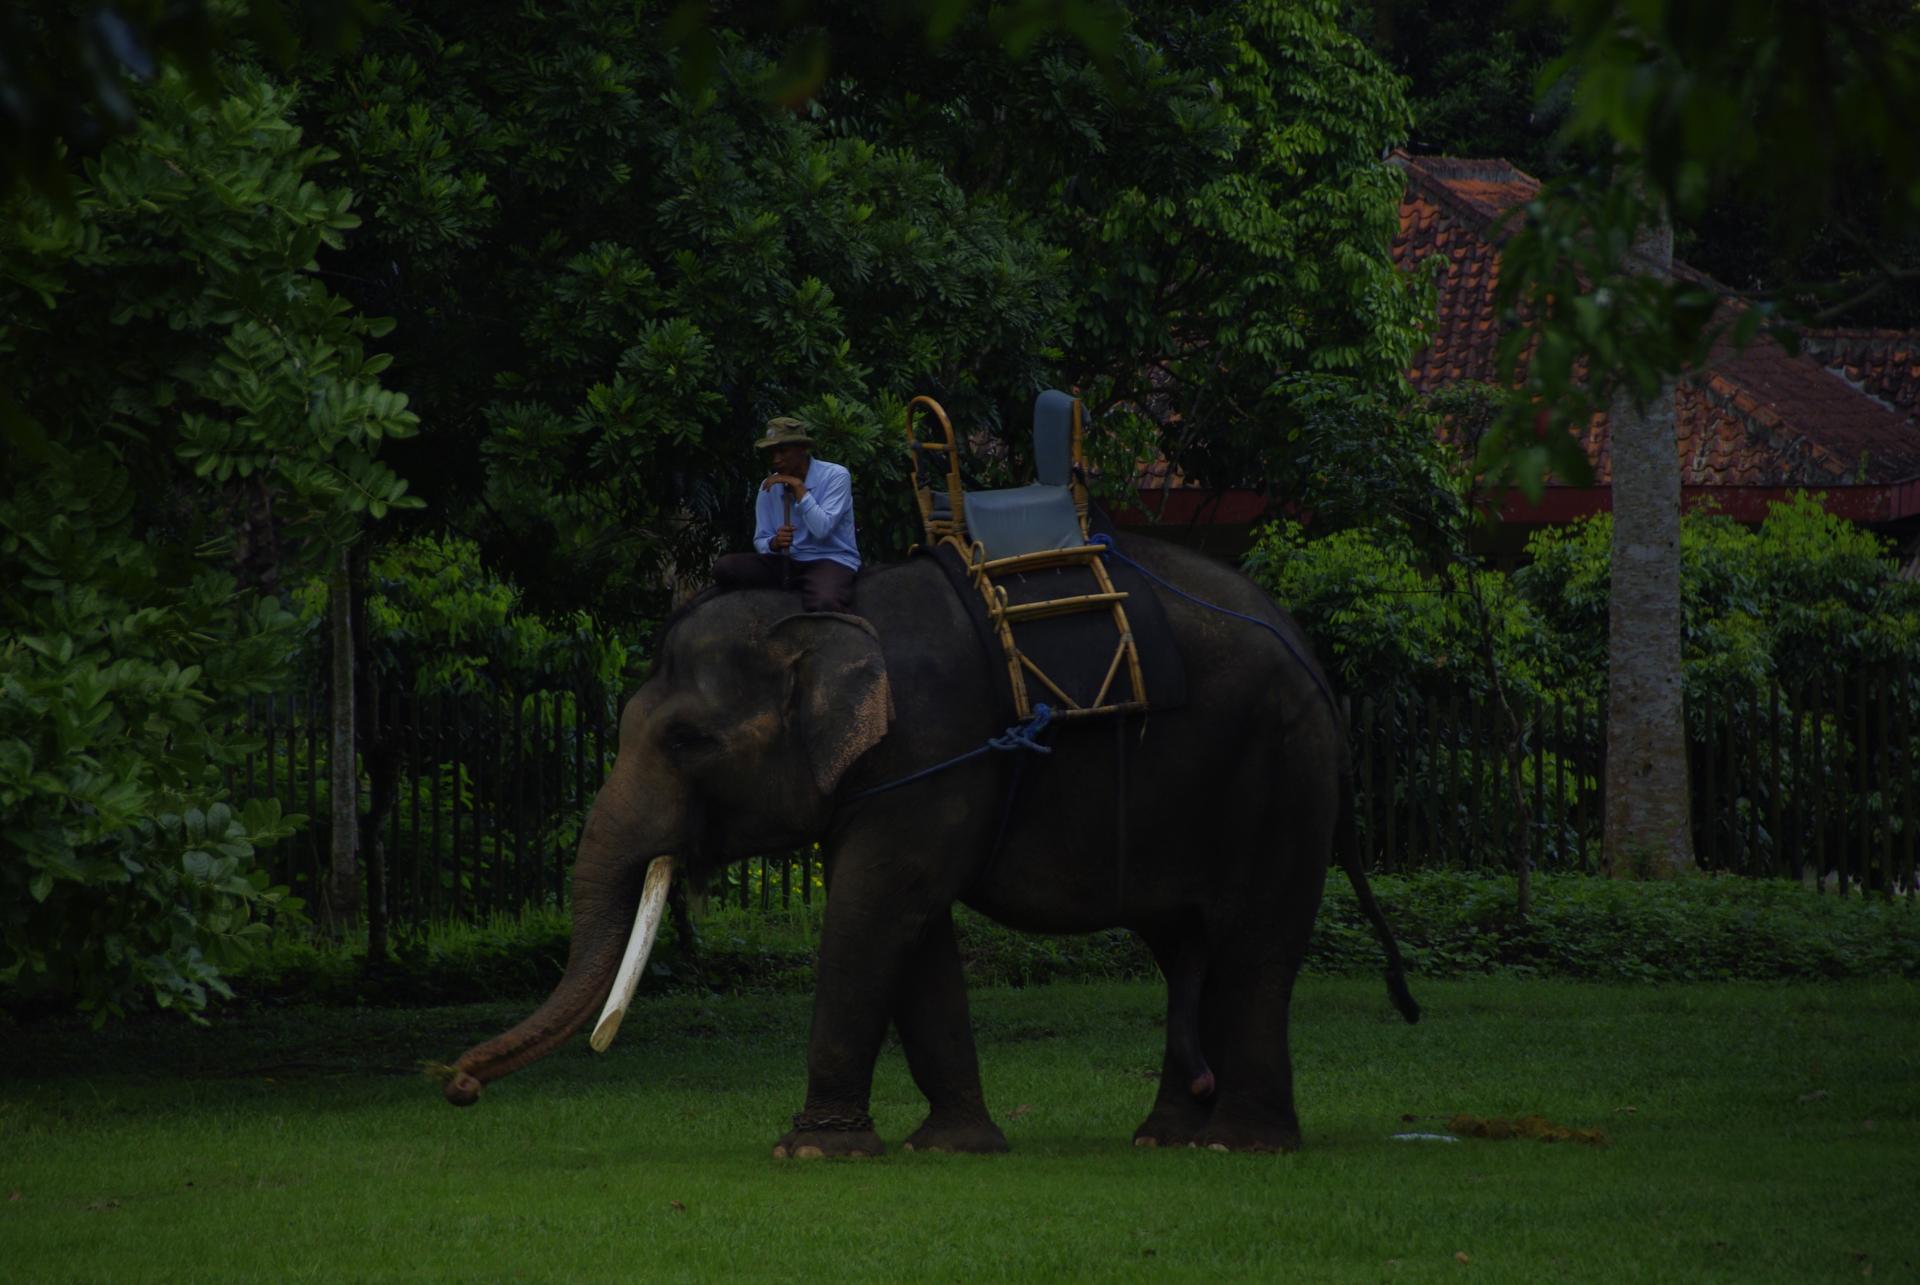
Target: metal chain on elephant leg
810 1122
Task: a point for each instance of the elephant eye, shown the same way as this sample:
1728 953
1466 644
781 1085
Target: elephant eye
685 738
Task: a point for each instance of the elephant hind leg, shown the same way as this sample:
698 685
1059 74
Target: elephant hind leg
1247 1010
930 1012
1184 1103
1245 1015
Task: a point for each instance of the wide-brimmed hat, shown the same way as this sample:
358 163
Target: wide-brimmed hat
785 431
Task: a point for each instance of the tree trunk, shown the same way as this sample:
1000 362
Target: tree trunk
343 881
1647 826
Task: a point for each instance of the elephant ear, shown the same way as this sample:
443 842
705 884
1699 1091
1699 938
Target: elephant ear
842 703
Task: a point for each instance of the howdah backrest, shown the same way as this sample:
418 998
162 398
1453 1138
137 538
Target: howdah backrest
1053 438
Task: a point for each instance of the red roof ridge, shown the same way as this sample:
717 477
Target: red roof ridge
1882 334
1438 176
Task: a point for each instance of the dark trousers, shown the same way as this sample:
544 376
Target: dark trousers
824 584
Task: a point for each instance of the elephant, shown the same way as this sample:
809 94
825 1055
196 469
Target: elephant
761 729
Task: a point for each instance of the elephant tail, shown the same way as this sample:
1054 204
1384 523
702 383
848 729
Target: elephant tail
1347 841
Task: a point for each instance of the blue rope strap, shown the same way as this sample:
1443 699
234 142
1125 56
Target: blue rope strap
1021 736
1107 550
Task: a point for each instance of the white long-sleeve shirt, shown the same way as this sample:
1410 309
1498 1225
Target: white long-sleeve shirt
823 522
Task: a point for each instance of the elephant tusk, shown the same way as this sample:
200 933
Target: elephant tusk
646 925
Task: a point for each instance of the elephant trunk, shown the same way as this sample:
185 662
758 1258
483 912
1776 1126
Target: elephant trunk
606 889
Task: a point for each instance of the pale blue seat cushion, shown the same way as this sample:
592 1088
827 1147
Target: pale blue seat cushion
1024 519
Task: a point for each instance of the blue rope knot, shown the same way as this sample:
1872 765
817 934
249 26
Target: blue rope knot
1019 737
1022 736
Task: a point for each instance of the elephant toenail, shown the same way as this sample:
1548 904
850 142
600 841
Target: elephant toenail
807 1152
1146 1142
1218 1146
779 1151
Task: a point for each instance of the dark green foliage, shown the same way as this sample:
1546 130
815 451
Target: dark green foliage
1805 592
437 621
462 963
1708 928
608 280
1448 923
1230 196
68 68
1471 70
607 284
610 266
186 415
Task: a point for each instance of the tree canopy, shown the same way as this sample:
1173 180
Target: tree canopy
191 421
522 283
606 281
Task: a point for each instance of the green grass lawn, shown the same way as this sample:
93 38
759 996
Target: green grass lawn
1758 1133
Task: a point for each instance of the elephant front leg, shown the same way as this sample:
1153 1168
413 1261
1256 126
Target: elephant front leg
866 938
930 1012
849 1021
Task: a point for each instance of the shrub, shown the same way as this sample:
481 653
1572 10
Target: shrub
184 407
1449 924
1710 927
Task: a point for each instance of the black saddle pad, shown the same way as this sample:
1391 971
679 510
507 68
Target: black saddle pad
1076 650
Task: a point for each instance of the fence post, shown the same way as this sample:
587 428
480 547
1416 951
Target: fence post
521 893
1709 813
436 890
1819 780
1396 716
1582 801
1907 758
415 909
1453 772
1883 771
270 737
1476 785
1363 802
1750 840
1778 785
1536 840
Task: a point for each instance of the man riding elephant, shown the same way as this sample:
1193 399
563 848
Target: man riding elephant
816 555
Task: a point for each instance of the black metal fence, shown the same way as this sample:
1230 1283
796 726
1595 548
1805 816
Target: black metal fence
472 805
1818 778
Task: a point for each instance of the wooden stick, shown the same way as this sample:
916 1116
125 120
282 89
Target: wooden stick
1042 559
1052 686
1058 606
1119 654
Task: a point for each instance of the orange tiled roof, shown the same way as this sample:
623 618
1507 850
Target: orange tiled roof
1845 410
1882 363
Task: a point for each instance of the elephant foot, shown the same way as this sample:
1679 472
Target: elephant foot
813 1144
815 1135
977 1137
1233 1132
1173 1124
